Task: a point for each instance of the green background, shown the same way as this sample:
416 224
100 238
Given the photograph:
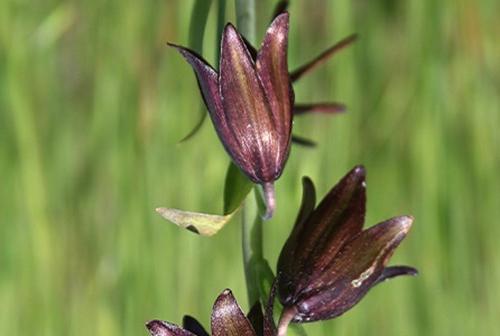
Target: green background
93 104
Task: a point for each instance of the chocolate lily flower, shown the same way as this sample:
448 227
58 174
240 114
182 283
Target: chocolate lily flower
250 102
227 320
328 262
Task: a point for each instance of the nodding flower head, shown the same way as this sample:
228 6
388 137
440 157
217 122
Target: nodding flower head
250 101
329 262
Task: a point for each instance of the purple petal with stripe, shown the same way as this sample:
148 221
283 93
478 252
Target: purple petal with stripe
208 81
228 319
249 132
272 70
162 328
357 267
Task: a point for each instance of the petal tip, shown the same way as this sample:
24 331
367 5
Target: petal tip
283 16
230 30
279 27
227 292
413 272
306 180
177 47
406 222
157 328
224 300
358 176
359 170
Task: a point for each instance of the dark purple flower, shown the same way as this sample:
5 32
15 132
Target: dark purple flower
329 262
227 320
251 102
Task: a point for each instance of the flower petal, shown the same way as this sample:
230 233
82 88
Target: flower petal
395 271
191 324
249 132
356 269
329 108
261 324
272 69
207 80
338 217
162 328
301 141
307 205
228 319
323 57
256 318
286 262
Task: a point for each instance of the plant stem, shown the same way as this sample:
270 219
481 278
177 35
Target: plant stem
252 245
285 319
245 19
251 221
221 21
199 17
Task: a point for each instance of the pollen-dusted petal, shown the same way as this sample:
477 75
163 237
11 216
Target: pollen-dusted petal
372 248
162 328
191 324
208 81
272 70
338 217
252 138
228 319
356 269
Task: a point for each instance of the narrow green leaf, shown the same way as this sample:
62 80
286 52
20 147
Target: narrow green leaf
221 22
199 17
236 188
197 222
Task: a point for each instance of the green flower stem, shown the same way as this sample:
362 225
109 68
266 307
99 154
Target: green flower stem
199 17
245 19
221 22
252 246
251 220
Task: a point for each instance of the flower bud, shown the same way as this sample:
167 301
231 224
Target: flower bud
329 262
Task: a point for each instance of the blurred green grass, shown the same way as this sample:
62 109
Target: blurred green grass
92 105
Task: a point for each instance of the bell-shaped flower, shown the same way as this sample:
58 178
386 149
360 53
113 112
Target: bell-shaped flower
329 262
250 102
227 320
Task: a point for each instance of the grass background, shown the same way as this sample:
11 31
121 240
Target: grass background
92 105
